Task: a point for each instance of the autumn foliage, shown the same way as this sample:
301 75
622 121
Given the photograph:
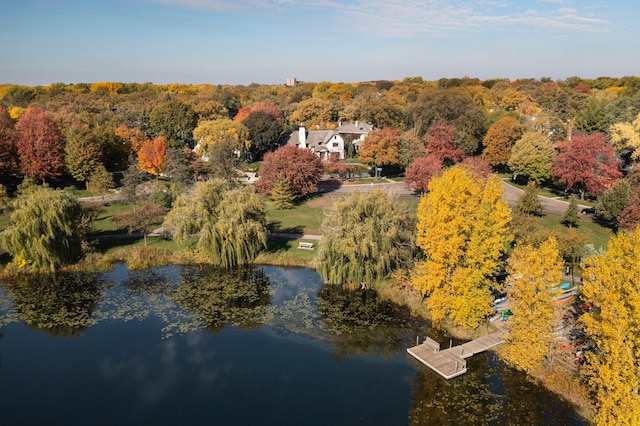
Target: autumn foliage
419 173
587 163
463 229
381 147
40 145
301 167
439 140
152 154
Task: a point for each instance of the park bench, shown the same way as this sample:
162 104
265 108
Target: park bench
305 246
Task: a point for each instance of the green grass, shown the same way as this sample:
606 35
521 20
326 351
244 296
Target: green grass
111 245
598 235
305 217
103 223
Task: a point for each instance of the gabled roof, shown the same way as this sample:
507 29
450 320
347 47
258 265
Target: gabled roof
316 139
355 128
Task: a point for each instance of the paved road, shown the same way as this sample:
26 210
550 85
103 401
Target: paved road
550 206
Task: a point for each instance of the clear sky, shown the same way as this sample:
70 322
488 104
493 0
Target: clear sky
266 41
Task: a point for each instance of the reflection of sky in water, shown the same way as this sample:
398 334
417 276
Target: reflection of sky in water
147 361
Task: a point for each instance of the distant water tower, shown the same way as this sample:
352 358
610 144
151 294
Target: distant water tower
291 81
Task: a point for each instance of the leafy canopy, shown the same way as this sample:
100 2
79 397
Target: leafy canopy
463 229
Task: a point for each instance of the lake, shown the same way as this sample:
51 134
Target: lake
260 345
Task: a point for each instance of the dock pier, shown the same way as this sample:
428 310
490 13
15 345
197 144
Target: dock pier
451 362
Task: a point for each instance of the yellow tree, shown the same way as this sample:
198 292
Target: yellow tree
463 229
210 132
533 271
611 283
627 136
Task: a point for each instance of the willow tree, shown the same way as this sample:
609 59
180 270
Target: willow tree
463 230
43 229
364 238
229 226
611 283
533 271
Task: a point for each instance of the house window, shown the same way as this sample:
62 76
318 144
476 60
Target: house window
335 144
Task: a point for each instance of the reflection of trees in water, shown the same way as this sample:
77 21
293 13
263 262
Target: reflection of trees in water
486 394
225 296
465 400
362 322
59 304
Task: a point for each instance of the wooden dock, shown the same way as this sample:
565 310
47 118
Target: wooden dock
451 362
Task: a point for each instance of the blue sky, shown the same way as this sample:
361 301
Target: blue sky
266 41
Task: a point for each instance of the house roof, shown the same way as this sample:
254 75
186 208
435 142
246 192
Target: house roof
357 128
316 139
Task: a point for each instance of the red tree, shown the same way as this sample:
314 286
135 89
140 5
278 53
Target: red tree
8 152
40 145
629 217
587 164
242 114
439 139
301 167
477 165
270 108
419 173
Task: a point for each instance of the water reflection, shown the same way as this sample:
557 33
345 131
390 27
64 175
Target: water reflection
363 323
59 304
212 373
219 297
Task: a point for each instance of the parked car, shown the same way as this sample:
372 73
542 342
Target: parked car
588 210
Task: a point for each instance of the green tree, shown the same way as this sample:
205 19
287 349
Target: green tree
230 224
281 193
100 181
43 229
591 118
175 121
463 230
410 148
533 271
570 217
611 283
365 237
455 107
132 183
264 132
532 156
83 153
529 203
613 200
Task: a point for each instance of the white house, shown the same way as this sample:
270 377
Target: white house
330 143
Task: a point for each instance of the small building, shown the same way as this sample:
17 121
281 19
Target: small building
330 143
291 81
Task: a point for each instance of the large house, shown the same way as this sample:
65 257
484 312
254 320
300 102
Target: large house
330 143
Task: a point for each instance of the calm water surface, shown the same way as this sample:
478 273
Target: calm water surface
263 345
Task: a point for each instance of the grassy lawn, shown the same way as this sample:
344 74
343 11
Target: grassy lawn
596 234
305 217
103 223
111 245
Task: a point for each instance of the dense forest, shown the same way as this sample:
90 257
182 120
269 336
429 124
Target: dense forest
577 136
91 126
